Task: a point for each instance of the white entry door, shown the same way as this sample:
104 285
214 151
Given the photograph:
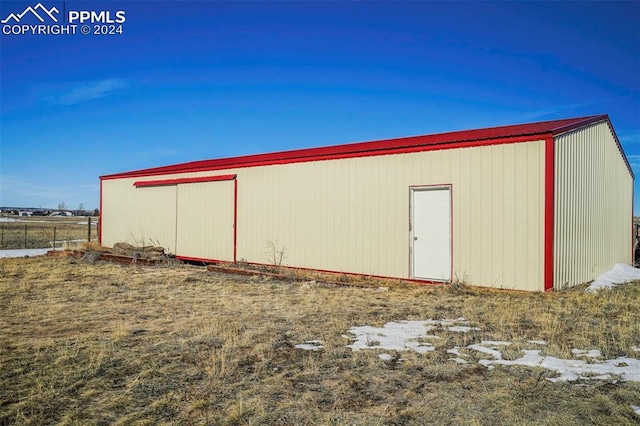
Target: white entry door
430 234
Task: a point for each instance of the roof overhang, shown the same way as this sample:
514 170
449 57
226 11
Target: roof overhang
449 140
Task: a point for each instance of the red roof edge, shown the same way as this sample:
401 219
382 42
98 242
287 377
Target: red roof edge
624 156
592 120
578 123
380 147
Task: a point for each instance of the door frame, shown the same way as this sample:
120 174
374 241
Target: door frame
431 187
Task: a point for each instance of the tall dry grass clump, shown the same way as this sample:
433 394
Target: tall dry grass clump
99 343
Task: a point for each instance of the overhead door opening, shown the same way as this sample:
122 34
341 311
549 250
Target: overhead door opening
206 221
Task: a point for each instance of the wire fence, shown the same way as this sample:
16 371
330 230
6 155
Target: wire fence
18 234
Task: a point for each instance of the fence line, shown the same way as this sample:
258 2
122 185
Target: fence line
13 235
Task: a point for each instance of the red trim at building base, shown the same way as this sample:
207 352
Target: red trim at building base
311 270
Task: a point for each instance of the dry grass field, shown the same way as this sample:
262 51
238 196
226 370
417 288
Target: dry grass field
99 343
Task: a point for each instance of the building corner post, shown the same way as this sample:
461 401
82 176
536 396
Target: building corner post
100 216
549 212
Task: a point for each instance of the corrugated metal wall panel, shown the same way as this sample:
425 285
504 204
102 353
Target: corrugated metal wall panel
593 212
138 215
352 215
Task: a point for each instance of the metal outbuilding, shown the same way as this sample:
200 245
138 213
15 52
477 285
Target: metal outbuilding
537 206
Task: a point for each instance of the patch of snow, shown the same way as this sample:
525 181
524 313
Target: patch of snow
636 409
593 353
600 377
620 274
9 219
446 322
307 347
449 325
628 369
23 252
494 343
458 358
397 336
635 348
87 222
404 335
310 345
454 351
485 350
462 328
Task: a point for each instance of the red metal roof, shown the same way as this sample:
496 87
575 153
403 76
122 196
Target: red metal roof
491 135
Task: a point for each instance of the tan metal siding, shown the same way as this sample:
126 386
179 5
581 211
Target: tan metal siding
205 220
593 212
138 215
352 215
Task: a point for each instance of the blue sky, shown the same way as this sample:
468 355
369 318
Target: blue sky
195 80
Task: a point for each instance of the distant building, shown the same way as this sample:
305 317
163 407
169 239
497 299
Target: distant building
537 206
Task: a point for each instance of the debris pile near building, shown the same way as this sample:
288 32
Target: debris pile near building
124 253
143 252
